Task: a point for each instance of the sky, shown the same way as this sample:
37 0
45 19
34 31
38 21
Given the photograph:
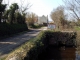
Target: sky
39 7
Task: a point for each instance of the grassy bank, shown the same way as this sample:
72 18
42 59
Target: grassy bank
31 49
77 28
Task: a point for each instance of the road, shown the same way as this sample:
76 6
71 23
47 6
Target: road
8 44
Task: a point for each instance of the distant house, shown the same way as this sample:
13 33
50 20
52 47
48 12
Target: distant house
42 20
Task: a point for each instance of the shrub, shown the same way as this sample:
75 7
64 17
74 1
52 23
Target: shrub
63 38
9 29
35 26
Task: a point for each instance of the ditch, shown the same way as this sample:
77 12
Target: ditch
63 49
59 53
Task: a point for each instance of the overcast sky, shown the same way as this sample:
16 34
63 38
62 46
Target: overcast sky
39 7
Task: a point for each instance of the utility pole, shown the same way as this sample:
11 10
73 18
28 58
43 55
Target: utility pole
47 20
8 4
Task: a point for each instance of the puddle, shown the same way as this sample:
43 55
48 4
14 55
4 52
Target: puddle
59 53
77 56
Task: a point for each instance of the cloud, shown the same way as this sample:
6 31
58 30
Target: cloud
39 7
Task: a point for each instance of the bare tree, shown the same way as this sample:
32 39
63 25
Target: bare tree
23 8
57 15
74 7
31 17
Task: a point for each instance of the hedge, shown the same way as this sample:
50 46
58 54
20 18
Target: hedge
9 29
36 26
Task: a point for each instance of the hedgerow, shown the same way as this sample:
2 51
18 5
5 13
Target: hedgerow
9 29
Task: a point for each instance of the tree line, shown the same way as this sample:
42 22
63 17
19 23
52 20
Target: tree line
11 15
16 14
67 15
15 19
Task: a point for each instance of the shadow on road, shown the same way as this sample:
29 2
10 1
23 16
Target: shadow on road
9 44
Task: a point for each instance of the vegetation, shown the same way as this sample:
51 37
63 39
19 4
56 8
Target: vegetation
59 17
77 28
35 46
32 19
73 8
13 19
13 15
36 26
10 29
2 9
31 49
67 16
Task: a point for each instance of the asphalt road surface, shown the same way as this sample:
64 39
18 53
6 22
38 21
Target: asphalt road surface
8 44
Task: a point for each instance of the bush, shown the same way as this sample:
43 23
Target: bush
62 38
9 29
35 26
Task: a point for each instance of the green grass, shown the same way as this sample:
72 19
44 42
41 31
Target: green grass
77 28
